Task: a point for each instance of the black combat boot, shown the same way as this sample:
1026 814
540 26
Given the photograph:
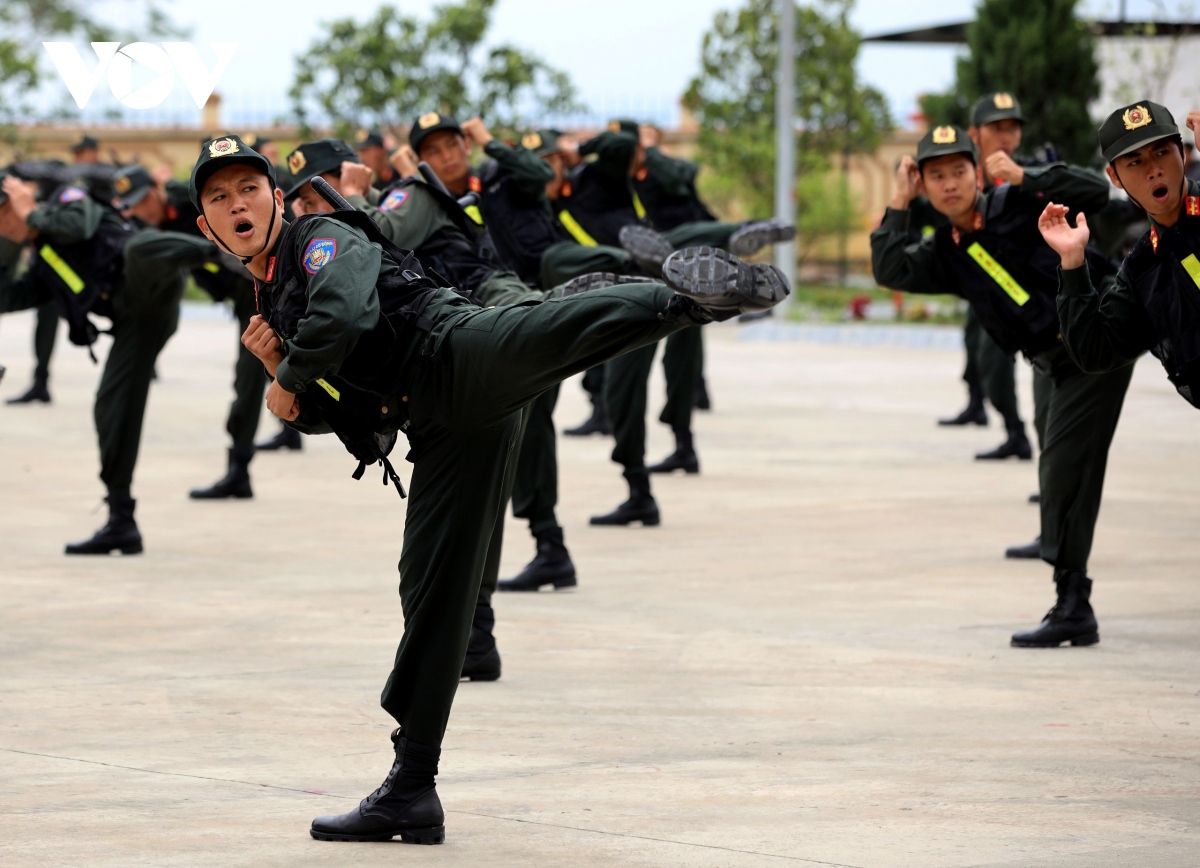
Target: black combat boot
1071 620
702 401
550 566
287 438
406 803
648 248
482 662
974 414
37 392
1030 551
1017 445
597 423
235 483
722 284
1036 497
683 458
121 532
641 505
757 234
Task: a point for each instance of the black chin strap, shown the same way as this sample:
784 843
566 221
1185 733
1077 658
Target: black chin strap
245 260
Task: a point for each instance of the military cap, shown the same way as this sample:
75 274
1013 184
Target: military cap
428 124
218 153
1133 126
365 138
623 125
131 184
84 144
542 142
996 107
255 141
940 141
313 158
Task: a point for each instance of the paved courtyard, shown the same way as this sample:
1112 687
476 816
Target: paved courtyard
807 663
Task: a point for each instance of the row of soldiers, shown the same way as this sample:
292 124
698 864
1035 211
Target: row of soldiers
425 297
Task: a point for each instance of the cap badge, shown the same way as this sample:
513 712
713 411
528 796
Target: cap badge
362 135
614 127
296 161
944 136
1138 116
426 121
222 148
122 185
531 141
1003 101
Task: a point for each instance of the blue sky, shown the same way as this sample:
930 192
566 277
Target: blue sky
634 56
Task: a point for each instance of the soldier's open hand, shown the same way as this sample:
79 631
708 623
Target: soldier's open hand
355 179
260 339
1066 240
281 402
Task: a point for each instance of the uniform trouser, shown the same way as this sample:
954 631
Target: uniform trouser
490 578
703 233
568 259
249 384
44 334
1076 418
465 405
535 488
990 371
139 331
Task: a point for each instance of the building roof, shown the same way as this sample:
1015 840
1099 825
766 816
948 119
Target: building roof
956 33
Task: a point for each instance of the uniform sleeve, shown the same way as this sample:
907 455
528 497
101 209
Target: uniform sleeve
613 151
529 172
900 264
67 222
175 249
1078 188
676 176
1101 331
409 224
342 305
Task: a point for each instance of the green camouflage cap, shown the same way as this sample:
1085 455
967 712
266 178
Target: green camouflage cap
313 158
216 154
940 141
428 124
996 107
131 185
1133 126
542 142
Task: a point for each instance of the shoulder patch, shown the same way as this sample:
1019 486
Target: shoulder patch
318 253
71 194
393 200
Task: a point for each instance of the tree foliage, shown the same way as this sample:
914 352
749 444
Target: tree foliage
1044 54
392 67
733 98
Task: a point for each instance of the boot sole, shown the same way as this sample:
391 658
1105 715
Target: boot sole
754 239
1078 642
557 584
1022 556
646 246
125 550
690 470
435 835
718 279
241 495
645 522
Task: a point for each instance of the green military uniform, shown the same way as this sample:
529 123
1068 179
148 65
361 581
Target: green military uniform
1003 267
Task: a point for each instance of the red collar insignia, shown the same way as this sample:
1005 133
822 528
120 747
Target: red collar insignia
566 189
270 269
172 213
1154 238
474 184
956 235
978 221
1193 206
642 173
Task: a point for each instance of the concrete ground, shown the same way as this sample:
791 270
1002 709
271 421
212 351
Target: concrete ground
808 662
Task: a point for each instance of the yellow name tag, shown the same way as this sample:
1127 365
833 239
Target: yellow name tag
333 393
997 273
73 281
577 232
1192 266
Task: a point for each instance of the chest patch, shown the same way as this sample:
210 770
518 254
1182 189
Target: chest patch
318 253
71 194
393 200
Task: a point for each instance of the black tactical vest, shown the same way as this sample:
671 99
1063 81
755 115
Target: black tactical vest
1164 271
82 277
463 258
1009 274
353 402
599 205
521 227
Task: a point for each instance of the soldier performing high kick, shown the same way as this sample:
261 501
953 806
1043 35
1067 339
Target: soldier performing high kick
992 255
360 343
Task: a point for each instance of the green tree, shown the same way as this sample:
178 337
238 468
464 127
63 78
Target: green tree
393 66
1044 54
733 99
